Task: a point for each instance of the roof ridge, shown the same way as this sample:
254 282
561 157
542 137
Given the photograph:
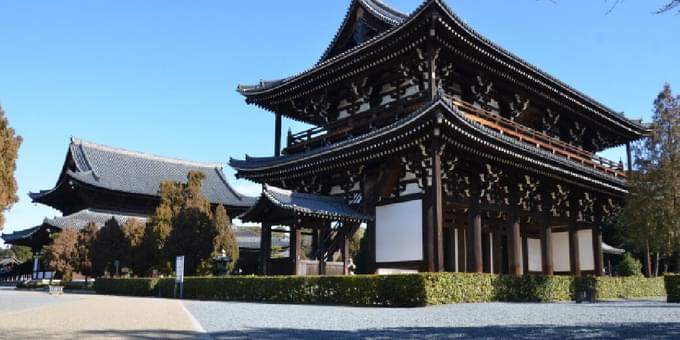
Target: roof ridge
144 155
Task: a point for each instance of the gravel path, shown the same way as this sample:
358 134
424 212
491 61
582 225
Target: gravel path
630 319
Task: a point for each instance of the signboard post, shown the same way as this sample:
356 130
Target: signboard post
179 277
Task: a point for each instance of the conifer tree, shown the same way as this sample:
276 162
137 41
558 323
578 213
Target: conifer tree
109 246
86 237
134 234
62 254
9 148
224 237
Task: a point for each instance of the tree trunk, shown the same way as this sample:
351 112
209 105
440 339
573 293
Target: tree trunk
656 265
648 261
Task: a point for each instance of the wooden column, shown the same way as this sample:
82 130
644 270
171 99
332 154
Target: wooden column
525 252
515 244
462 262
315 243
474 237
497 253
437 201
295 246
453 254
277 135
370 192
629 158
547 244
598 258
345 254
574 260
265 248
321 240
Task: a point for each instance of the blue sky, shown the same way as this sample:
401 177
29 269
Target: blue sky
160 76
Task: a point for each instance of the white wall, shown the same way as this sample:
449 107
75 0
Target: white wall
585 249
399 232
534 253
561 261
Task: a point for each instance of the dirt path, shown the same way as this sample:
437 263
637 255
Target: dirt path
95 316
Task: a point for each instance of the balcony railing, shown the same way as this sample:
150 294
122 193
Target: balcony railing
319 136
538 139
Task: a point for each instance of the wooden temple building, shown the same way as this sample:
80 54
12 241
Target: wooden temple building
456 154
99 182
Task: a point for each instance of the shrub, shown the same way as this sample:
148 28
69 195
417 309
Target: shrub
389 290
628 287
672 285
629 266
132 287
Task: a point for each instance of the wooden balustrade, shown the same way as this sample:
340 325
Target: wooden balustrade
319 136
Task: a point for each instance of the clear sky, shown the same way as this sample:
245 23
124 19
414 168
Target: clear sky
160 76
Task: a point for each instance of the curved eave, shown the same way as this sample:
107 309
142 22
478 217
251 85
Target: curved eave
497 54
459 131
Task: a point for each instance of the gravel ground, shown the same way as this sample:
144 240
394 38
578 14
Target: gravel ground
12 300
628 319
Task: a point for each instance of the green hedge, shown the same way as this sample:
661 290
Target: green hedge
628 287
133 287
388 290
672 285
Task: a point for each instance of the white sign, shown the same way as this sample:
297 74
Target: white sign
399 232
179 269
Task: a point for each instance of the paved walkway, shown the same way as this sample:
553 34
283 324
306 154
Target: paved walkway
37 315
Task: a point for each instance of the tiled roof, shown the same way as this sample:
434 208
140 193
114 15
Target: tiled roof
139 173
303 204
250 239
82 218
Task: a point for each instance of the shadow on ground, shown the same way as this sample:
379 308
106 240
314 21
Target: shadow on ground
598 331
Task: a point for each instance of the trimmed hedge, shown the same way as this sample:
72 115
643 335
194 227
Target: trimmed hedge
672 285
408 290
627 287
132 287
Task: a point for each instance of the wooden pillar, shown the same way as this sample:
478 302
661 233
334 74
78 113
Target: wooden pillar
295 247
547 244
277 135
515 244
265 248
629 158
323 235
462 262
598 258
453 249
345 254
437 201
370 192
574 260
474 237
497 253
315 243
525 252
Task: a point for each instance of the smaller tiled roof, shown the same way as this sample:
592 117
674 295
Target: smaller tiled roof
21 234
250 239
82 218
304 205
134 172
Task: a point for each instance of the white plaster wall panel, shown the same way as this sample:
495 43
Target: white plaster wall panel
411 188
561 252
585 249
399 232
534 252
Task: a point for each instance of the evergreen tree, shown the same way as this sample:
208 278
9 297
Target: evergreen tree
158 228
652 211
192 233
224 237
86 237
134 234
109 246
9 148
62 255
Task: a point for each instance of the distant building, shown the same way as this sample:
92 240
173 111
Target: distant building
99 182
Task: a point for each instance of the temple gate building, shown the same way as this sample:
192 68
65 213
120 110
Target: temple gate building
455 153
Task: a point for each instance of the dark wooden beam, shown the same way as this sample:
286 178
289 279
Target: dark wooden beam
598 258
277 135
475 263
437 201
515 244
461 249
345 254
574 260
547 244
265 248
295 247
